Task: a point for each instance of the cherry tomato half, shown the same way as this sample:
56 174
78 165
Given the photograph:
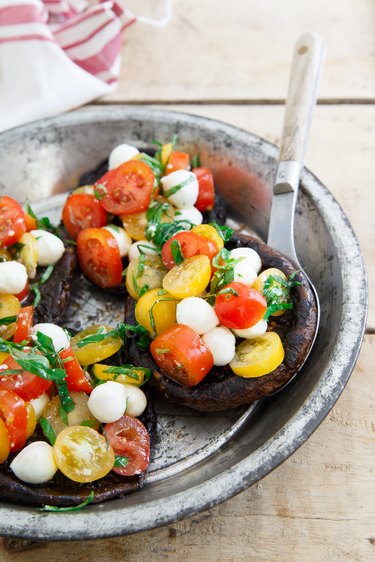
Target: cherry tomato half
75 375
12 221
206 194
99 257
14 414
239 306
23 294
26 385
129 438
182 355
190 244
129 189
4 442
177 161
24 324
82 210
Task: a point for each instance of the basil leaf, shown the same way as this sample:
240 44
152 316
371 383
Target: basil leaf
8 320
223 231
176 252
48 430
57 509
179 186
196 161
120 461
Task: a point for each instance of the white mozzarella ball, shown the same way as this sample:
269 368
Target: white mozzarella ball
107 401
146 247
197 314
222 344
13 277
39 404
120 154
190 215
244 272
122 238
250 255
255 331
58 335
50 247
136 400
187 194
35 464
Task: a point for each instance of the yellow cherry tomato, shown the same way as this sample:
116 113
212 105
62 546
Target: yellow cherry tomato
188 279
31 420
9 306
135 225
28 254
210 232
4 442
166 150
156 311
102 372
97 351
80 414
262 278
82 454
144 273
259 356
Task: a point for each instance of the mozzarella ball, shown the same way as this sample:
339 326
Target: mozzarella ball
146 247
58 335
13 277
39 404
255 331
250 255
136 400
222 344
190 214
120 154
35 464
244 272
122 238
50 247
186 195
197 314
107 401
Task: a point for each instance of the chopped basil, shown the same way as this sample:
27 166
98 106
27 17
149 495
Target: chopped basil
120 461
176 252
228 291
48 430
89 423
196 161
276 291
7 320
43 278
57 509
100 191
179 186
223 231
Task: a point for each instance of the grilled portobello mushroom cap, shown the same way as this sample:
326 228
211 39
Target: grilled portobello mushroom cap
221 389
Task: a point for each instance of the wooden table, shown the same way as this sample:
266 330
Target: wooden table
230 60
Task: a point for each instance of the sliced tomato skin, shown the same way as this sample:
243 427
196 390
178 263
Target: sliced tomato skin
99 257
75 375
129 438
24 324
240 310
26 385
14 414
129 188
82 210
191 244
182 355
177 161
206 194
12 221
23 294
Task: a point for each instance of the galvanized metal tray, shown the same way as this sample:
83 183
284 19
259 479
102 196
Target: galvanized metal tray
199 459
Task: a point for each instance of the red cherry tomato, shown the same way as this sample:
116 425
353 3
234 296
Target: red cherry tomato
12 221
23 294
206 194
129 188
99 257
75 375
26 385
177 161
82 210
14 413
239 306
191 244
182 355
24 324
129 438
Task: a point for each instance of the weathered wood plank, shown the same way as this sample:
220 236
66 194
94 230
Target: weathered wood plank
318 505
241 50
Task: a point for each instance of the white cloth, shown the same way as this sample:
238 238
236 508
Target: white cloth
59 54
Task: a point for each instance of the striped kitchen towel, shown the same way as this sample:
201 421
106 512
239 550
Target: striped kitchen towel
59 54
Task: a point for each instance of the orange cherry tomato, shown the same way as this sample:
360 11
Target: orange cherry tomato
206 194
190 244
14 414
177 161
182 355
75 375
24 324
82 210
99 256
26 385
129 189
12 221
31 223
239 306
129 438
